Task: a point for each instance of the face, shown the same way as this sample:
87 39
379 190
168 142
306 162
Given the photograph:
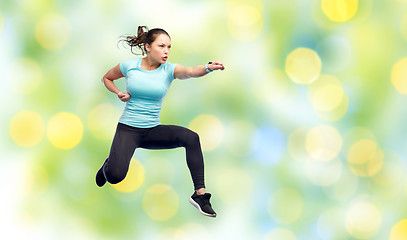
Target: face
159 50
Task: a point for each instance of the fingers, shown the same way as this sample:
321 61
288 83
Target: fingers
218 65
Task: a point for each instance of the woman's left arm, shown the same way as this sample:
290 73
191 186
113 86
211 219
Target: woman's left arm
182 72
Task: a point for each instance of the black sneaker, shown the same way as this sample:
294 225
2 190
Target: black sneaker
201 202
100 176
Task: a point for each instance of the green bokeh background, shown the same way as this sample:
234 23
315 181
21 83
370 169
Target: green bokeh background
50 193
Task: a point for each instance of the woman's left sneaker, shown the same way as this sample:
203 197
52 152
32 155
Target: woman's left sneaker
201 202
100 176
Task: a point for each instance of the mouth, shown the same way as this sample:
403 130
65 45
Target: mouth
164 58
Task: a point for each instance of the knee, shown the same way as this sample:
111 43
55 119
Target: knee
114 175
192 139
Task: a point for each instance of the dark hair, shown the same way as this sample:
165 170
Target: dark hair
143 37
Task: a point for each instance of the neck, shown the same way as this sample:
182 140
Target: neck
148 64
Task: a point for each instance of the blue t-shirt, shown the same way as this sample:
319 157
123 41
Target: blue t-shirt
147 90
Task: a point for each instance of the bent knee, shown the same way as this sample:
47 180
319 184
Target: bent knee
115 175
191 139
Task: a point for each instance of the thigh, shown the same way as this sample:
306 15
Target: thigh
125 141
165 137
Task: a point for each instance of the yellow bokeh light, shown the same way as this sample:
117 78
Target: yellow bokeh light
363 220
286 205
27 128
399 231
65 130
160 202
53 31
399 76
245 22
210 130
25 75
280 234
303 66
339 10
365 158
102 120
323 143
328 97
134 178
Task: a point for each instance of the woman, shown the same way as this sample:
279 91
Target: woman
147 81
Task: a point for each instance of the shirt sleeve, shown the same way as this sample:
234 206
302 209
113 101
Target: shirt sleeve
170 70
124 67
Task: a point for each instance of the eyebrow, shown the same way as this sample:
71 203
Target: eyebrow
166 44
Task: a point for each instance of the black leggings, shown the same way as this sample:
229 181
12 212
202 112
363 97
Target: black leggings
128 138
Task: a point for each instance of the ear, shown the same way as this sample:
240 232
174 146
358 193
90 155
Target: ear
148 47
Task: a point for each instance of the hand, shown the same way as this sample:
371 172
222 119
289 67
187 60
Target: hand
124 97
216 65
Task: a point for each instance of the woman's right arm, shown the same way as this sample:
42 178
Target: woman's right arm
108 79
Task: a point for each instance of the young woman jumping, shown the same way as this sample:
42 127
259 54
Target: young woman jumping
147 81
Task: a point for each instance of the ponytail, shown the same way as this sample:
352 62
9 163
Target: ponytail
144 36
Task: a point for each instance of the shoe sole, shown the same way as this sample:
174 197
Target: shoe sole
195 204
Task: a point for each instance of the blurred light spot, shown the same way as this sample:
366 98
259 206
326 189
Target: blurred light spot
286 205
363 220
210 131
36 180
323 143
238 138
365 158
392 171
53 31
328 98
303 66
296 144
102 121
27 128
65 130
344 188
160 202
24 75
335 53
403 27
280 234
268 145
339 10
323 173
134 178
235 186
399 230
399 76
245 21
328 227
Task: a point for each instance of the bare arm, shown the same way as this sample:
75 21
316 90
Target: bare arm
182 72
108 79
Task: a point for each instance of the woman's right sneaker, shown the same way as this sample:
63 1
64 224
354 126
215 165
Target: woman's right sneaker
201 202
